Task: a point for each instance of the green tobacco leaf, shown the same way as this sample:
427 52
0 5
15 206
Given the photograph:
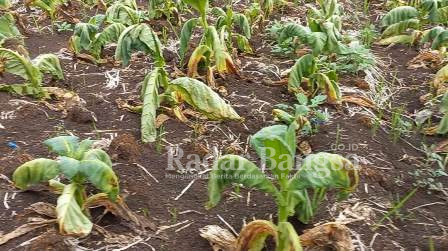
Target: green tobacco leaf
401 27
303 68
69 167
24 89
8 28
235 169
185 36
34 172
121 13
317 42
49 63
202 98
17 64
138 37
110 34
399 14
83 35
441 77
97 20
294 30
150 97
98 154
102 176
242 22
83 147
243 43
443 125
63 145
325 170
71 219
431 34
276 146
199 5
440 41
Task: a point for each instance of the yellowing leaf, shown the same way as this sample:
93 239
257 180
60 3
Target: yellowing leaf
202 98
34 172
71 219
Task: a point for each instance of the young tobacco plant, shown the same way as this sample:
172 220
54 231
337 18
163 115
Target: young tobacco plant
304 113
322 34
310 76
78 163
212 49
31 71
229 21
297 193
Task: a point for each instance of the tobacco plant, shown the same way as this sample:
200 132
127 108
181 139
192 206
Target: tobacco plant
88 38
310 76
125 12
79 164
182 90
404 24
30 70
322 33
51 7
299 195
305 113
229 21
212 49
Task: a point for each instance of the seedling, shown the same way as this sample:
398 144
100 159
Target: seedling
310 76
63 26
295 194
79 163
304 113
31 71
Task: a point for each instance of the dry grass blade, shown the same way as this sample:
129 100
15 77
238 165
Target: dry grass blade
42 208
359 100
24 229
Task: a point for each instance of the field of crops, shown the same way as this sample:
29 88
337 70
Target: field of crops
223 125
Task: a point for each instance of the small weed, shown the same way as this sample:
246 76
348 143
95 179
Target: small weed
63 26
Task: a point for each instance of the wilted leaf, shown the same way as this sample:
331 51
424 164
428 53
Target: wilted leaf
399 14
49 63
202 98
303 68
138 37
34 172
185 36
110 34
8 28
63 145
71 219
101 175
254 234
150 97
